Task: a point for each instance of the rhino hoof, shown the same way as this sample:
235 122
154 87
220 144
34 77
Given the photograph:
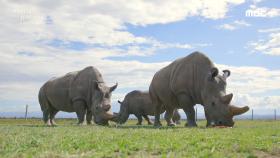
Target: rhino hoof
150 123
178 122
157 125
81 124
53 123
48 123
190 125
171 124
90 123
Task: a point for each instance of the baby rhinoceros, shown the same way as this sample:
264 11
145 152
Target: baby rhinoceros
139 104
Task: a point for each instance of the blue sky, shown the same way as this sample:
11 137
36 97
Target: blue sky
224 46
130 41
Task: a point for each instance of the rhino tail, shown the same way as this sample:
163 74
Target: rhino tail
43 101
154 98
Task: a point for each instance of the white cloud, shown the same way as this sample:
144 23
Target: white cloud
270 46
151 12
28 26
25 74
26 61
252 80
250 84
99 22
256 102
269 30
237 24
31 25
227 27
19 90
256 1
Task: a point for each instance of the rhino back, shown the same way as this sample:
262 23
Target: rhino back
82 86
140 103
189 74
185 75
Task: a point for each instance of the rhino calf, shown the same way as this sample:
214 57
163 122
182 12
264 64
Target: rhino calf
83 92
139 104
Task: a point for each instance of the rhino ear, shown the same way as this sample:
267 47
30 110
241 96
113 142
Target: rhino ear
227 98
97 85
226 74
119 102
214 72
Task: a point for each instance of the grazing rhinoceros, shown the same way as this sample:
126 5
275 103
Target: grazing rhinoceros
83 92
139 104
193 80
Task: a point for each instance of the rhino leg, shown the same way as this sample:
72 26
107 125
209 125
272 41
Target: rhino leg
190 113
157 122
176 117
46 115
53 112
80 109
139 118
168 117
188 108
89 117
148 119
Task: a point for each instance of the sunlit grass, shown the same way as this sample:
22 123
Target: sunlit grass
30 138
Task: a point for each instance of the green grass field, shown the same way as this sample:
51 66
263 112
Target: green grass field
21 138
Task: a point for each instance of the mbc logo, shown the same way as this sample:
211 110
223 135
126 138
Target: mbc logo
262 12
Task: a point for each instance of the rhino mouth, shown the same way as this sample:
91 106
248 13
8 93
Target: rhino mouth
120 118
115 117
104 118
219 124
102 123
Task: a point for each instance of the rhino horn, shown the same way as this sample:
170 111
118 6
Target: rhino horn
237 110
119 102
227 98
108 116
113 87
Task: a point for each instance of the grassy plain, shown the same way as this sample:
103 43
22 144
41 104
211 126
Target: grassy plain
30 138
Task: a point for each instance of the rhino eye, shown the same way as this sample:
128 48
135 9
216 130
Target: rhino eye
213 104
106 95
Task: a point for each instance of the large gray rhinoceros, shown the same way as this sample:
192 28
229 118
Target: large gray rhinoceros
83 92
193 80
139 104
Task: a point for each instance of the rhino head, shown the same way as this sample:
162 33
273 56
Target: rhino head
217 107
101 103
123 115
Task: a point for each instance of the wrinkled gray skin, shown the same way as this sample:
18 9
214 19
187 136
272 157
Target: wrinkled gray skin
139 104
83 92
193 80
